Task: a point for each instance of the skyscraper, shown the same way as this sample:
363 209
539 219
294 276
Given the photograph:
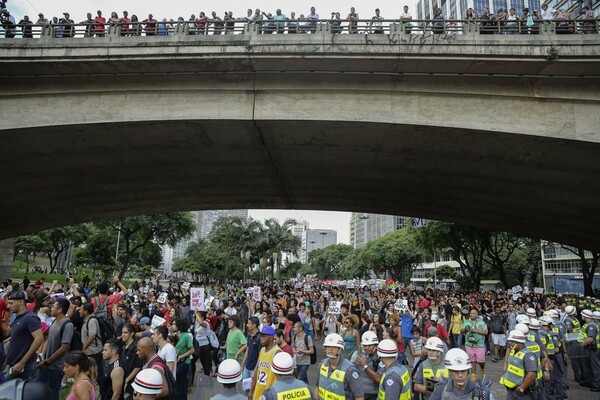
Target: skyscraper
207 219
317 239
366 227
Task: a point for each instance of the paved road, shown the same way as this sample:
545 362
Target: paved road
206 387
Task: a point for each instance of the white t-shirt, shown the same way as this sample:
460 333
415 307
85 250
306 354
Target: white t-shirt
169 354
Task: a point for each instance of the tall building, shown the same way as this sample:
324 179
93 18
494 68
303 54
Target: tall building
317 239
170 254
207 219
458 8
561 269
298 231
366 227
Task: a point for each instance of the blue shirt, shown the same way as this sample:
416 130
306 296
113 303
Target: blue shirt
21 337
407 325
253 351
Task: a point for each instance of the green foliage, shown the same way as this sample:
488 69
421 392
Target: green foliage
445 272
327 262
397 253
146 230
31 245
61 239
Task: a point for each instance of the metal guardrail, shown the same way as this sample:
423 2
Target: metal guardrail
289 27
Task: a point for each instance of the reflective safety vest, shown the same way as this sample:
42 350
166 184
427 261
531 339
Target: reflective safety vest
515 373
432 375
583 332
547 341
596 338
475 390
291 389
402 373
532 346
331 386
555 335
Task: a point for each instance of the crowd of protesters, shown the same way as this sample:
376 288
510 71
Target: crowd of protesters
503 22
58 333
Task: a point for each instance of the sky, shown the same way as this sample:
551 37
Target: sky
339 221
167 9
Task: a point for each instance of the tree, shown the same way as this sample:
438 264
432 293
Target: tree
588 267
353 266
99 251
62 239
396 253
467 244
279 238
445 272
499 248
327 262
139 231
210 259
31 245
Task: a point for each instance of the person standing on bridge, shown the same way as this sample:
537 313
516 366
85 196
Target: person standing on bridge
286 387
352 21
100 22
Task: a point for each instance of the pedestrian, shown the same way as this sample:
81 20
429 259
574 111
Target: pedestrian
263 375
79 367
147 384
26 337
112 379
475 331
303 347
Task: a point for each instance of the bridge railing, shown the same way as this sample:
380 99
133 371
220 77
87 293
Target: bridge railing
292 27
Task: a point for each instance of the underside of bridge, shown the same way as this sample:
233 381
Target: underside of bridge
490 131
542 187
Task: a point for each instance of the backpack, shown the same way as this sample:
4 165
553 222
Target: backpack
76 343
101 310
168 376
106 330
313 356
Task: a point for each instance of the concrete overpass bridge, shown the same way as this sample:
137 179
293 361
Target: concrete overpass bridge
496 131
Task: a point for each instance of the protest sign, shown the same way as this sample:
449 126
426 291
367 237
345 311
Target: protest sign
526 290
162 299
538 290
516 296
185 285
325 293
517 289
334 307
257 294
402 305
197 299
307 288
509 291
156 321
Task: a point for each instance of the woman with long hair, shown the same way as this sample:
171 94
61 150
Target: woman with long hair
79 367
351 337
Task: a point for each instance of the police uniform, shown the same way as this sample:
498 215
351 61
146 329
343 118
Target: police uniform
429 375
229 394
340 383
287 388
593 352
574 349
519 365
447 391
395 383
369 386
558 376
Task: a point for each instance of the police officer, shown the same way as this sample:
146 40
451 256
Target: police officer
229 374
286 386
459 386
395 380
591 345
520 376
535 343
557 377
574 349
148 384
370 367
432 370
338 377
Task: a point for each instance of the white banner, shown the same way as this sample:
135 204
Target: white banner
526 290
156 321
538 290
402 305
256 293
197 299
516 296
517 289
334 307
185 285
325 293
162 299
